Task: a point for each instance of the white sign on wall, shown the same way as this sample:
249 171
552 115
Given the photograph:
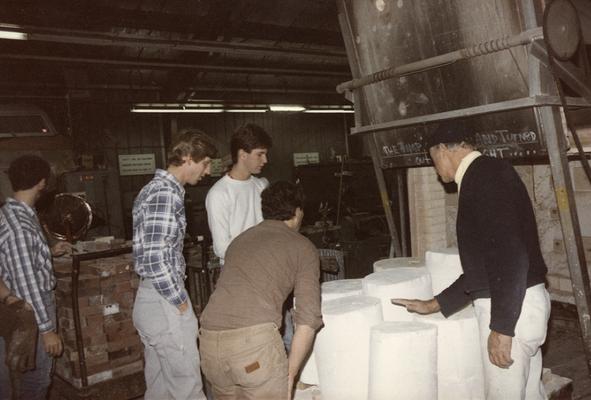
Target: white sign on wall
305 158
137 164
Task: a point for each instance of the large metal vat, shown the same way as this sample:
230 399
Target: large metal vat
387 33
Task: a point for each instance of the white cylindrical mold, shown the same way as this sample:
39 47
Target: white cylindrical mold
403 361
459 360
444 266
342 350
397 262
404 283
329 291
340 288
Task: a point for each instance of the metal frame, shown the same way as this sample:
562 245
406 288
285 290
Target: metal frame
517 104
76 260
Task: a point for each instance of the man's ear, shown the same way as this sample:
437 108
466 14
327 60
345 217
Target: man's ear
299 213
242 154
42 184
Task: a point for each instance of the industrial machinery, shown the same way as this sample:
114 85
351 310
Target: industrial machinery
68 218
100 189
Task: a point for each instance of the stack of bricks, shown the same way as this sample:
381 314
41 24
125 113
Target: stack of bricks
112 347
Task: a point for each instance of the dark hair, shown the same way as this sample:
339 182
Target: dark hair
449 133
249 137
280 200
193 143
26 171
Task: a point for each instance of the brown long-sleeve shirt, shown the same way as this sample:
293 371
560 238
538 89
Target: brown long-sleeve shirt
262 266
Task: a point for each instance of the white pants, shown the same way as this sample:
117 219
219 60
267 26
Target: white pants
170 347
522 380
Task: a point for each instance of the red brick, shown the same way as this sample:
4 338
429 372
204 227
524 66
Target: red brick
95 322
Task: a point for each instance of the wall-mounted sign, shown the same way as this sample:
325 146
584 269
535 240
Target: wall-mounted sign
137 164
306 158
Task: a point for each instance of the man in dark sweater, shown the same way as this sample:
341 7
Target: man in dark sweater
504 272
242 354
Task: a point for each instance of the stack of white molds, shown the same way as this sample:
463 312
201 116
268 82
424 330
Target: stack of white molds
444 266
403 362
459 361
398 262
404 283
330 290
342 351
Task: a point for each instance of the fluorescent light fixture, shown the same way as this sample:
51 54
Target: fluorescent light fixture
13 35
246 110
286 108
213 107
330 111
176 110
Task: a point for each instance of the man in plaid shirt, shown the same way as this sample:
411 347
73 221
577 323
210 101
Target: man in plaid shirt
26 269
162 313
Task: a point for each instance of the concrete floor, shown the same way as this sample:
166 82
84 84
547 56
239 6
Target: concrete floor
563 351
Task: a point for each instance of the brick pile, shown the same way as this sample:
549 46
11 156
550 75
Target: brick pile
112 347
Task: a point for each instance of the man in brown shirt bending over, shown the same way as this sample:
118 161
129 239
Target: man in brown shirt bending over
242 354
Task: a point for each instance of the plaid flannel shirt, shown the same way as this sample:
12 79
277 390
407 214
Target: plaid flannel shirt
158 233
25 259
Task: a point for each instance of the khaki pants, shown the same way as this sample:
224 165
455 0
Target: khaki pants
170 347
246 363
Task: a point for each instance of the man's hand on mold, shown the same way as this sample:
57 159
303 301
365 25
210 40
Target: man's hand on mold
418 306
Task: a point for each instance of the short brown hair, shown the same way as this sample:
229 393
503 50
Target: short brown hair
249 137
192 143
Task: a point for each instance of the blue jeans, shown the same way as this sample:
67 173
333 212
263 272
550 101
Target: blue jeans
287 330
34 383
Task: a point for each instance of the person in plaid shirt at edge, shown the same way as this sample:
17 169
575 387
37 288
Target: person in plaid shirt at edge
162 313
26 270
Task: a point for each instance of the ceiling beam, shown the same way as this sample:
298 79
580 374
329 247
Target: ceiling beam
132 87
90 15
149 64
138 41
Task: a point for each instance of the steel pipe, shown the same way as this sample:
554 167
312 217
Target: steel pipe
159 64
508 105
208 46
489 47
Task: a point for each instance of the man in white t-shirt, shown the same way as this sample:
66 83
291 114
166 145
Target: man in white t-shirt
234 203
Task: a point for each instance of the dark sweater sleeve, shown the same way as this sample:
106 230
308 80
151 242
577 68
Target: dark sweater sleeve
504 248
454 298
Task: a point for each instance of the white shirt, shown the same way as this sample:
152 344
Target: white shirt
463 167
233 206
